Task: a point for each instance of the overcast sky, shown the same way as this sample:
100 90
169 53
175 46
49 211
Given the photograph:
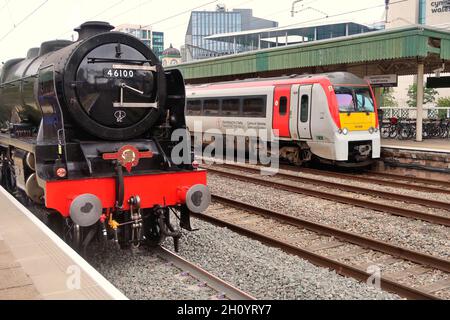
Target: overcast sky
21 29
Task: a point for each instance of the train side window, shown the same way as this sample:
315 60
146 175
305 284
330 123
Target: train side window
254 107
194 108
231 107
283 106
304 108
211 107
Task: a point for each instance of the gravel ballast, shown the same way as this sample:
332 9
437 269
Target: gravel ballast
412 234
262 271
266 272
141 274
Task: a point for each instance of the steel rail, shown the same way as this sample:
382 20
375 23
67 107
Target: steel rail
321 261
377 180
440 183
394 210
211 280
421 258
345 187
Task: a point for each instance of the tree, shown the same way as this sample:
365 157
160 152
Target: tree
443 102
429 95
388 100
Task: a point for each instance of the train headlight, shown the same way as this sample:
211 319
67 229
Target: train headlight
345 131
340 131
371 130
376 129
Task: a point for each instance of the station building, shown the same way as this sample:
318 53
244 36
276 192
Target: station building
432 13
171 57
274 37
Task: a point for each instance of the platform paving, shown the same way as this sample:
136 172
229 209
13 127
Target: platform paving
432 145
36 264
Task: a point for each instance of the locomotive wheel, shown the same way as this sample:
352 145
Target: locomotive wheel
152 231
72 234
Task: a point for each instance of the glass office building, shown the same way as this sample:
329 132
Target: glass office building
158 43
206 23
152 39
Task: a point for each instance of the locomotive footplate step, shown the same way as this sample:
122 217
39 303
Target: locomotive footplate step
36 264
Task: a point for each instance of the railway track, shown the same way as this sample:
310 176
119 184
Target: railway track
328 195
351 188
394 180
262 224
225 290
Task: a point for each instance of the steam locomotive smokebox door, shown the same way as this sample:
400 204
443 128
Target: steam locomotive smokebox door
113 86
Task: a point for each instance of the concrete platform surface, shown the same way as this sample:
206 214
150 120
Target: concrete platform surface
432 145
36 264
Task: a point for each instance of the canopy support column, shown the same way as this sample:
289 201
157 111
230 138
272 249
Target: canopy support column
419 98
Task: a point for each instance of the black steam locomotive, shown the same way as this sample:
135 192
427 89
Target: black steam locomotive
87 131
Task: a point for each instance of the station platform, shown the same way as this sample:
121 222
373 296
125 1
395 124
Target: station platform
430 145
428 159
36 264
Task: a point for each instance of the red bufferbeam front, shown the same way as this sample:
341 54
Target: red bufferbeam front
166 189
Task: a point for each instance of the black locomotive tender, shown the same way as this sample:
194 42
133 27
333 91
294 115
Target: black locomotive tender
74 115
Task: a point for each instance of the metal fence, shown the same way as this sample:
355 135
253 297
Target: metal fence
400 123
431 113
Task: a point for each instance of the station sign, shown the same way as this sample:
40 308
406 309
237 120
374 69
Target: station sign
438 82
383 81
437 12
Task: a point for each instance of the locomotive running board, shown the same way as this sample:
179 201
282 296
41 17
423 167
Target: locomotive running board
20 143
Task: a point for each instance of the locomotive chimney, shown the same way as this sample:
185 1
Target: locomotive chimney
91 28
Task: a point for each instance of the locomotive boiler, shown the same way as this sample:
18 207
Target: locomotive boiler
87 131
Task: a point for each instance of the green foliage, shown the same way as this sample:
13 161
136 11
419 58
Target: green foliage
443 102
388 99
429 95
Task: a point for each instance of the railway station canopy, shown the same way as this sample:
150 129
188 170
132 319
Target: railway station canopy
394 51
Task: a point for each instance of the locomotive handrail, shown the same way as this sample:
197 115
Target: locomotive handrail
10 83
95 60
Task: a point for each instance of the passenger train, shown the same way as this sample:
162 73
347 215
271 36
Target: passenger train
331 117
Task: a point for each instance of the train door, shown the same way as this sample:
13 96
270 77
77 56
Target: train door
304 111
293 123
281 110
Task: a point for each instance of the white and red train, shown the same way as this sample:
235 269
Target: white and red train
331 116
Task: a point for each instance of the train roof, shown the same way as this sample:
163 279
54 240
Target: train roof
341 78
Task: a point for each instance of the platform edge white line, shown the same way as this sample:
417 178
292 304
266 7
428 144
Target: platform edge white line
102 282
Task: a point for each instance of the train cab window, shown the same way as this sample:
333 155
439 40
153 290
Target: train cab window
211 107
364 101
283 106
344 98
254 107
194 108
231 107
304 108
354 99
